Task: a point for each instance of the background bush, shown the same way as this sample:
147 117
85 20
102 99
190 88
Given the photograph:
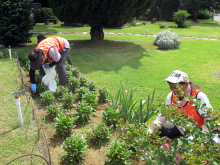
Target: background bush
43 13
204 14
167 40
180 18
16 22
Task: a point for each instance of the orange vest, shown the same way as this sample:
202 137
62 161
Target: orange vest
190 110
47 43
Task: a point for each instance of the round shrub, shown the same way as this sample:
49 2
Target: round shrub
163 25
180 17
167 40
43 13
204 14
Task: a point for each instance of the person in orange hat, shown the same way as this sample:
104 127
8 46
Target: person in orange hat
181 79
49 52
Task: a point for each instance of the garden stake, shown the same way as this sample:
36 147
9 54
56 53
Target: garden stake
17 101
9 50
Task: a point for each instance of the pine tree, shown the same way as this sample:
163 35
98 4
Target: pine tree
99 13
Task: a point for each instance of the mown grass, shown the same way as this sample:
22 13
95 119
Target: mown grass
15 140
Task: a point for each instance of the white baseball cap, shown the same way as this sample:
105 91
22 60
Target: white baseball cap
177 76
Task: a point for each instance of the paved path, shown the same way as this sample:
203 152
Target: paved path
203 38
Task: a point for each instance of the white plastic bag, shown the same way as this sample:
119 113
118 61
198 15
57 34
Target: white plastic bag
49 78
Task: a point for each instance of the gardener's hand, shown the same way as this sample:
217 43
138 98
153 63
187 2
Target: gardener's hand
47 66
33 88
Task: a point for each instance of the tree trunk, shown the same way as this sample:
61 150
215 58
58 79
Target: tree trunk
96 33
194 16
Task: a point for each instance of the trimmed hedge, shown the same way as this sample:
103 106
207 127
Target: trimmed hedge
43 13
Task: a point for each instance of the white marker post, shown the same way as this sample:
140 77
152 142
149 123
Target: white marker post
9 51
17 101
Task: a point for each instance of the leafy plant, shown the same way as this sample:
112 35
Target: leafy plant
180 17
83 81
90 97
103 94
81 91
75 146
47 97
38 77
74 83
67 100
5 53
68 66
42 88
117 153
110 116
43 13
83 111
163 25
23 60
167 40
75 72
61 90
91 86
99 134
64 125
53 110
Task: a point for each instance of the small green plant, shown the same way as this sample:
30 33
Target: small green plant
83 81
73 83
53 110
82 91
75 72
5 53
23 60
75 147
90 97
91 86
42 88
110 116
83 111
47 97
67 100
38 77
99 134
167 40
118 153
103 95
163 25
64 124
61 90
68 66
180 17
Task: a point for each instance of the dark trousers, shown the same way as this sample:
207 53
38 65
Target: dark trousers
61 68
170 131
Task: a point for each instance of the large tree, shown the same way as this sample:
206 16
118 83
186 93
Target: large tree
193 6
99 13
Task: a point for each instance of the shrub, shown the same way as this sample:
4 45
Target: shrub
204 14
110 116
60 91
91 86
53 110
163 25
47 97
73 83
64 125
83 81
43 13
118 153
81 91
103 94
16 22
167 40
180 17
99 134
90 97
67 100
75 146
83 111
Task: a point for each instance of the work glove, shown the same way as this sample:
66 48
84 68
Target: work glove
47 66
33 88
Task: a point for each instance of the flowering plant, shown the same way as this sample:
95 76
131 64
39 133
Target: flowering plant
42 88
118 153
53 110
47 97
64 125
91 86
60 91
99 134
75 72
103 94
75 146
83 81
81 91
74 83
83 111
90 97
67 100
110 116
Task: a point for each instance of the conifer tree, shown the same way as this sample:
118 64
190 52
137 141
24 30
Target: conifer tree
99 13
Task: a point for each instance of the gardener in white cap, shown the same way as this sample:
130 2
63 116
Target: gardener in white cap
49 52
180 79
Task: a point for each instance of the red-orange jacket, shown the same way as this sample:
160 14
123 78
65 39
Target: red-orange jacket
190 110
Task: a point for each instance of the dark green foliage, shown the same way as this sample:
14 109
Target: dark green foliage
204 14
16 22
167 8
100 13
44 13
180 18
23 60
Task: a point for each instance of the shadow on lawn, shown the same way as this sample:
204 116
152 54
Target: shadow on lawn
106 55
